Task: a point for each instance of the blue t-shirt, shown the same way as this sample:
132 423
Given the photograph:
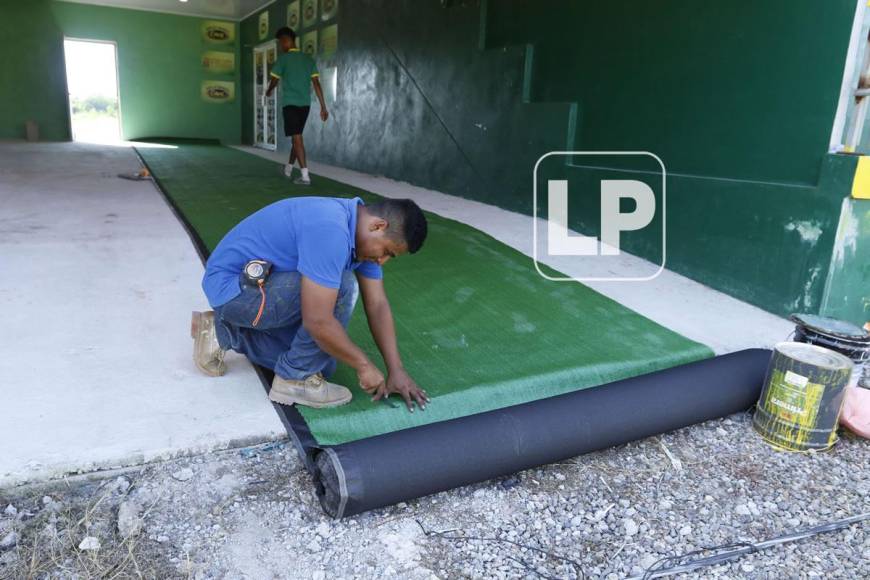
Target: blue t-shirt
315 236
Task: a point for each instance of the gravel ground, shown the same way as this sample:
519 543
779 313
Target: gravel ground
251 513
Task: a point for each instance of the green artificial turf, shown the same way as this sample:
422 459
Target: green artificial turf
478 327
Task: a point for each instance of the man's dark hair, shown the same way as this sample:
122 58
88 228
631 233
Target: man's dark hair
406 221
285 31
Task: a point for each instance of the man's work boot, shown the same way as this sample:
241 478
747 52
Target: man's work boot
207 353
314 391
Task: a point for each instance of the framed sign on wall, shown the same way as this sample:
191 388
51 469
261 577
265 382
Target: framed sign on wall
263 27
293 15
309 13
309 43
217 32
218 91
219 62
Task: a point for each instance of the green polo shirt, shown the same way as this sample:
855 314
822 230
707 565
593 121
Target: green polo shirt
295 69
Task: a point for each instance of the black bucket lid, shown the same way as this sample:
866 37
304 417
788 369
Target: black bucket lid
831 327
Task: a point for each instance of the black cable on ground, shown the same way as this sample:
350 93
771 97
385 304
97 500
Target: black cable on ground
685 562
463 538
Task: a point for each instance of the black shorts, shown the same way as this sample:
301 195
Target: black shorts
294 119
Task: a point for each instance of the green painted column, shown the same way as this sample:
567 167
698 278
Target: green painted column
32 72
847 290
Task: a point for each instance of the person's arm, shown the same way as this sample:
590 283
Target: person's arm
274 76
273 82
318 305
383 328
324 114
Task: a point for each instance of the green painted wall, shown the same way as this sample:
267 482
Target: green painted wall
847 291
160 71
32 75
381 122
739 89
738 98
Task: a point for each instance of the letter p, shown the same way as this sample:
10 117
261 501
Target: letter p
613 222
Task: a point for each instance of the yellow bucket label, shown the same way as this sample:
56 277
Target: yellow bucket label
802 397
793 398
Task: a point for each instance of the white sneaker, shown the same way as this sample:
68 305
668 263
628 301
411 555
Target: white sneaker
302 181
288 170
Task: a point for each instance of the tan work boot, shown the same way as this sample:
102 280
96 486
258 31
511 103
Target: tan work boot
314 391
207 353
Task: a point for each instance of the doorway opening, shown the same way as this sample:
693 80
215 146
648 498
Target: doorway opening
92 81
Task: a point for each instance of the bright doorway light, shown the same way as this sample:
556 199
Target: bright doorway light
92 81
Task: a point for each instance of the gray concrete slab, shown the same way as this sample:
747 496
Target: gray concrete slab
97 281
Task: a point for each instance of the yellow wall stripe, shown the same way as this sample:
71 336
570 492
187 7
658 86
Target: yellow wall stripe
861 183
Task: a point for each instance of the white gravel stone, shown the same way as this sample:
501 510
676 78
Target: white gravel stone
51 504
9 540
121 485
184 474
129 522
630 526
89 544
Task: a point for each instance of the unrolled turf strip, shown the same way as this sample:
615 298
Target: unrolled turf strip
478 328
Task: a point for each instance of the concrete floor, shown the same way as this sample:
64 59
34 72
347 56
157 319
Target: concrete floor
723 323
97 281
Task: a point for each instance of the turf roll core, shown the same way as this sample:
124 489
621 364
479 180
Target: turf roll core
379 471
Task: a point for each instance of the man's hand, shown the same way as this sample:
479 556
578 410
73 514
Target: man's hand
370 378
324 114
399 381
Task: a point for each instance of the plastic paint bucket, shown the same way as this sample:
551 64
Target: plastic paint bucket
802 397
843 337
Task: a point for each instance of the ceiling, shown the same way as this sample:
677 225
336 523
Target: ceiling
231 9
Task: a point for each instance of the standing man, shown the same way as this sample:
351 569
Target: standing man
295 70
283 284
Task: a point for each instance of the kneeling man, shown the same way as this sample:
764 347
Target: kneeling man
283 284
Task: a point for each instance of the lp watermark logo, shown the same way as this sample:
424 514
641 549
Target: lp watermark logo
616 198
